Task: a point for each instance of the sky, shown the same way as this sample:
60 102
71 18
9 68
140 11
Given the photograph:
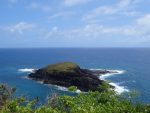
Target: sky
74 23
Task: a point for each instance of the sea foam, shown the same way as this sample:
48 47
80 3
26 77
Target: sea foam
27 70
65 88
118 88
112 73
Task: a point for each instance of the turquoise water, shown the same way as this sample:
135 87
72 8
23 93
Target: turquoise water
134 61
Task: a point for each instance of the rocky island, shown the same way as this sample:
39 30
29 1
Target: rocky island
68 74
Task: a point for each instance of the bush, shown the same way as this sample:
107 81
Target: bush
5 93
72 88
92 102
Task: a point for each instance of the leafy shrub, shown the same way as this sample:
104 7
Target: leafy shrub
5 93
92 102
72 88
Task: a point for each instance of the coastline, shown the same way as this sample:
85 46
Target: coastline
118 89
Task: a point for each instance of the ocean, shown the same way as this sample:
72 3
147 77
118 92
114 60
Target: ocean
132 63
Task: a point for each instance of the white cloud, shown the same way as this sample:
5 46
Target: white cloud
140 28
13 1
65 14
35 5
144 21
75 2
20 27
123 4
46 8
52 32
123 7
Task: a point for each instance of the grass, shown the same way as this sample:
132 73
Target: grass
61 67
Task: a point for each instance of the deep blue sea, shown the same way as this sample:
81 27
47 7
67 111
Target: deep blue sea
135 62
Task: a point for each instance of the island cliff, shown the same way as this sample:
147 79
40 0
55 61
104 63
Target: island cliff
69 74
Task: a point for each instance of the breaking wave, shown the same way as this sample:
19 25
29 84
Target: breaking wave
118 88
113 72
27 70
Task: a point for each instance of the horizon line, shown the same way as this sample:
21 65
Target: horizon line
65 47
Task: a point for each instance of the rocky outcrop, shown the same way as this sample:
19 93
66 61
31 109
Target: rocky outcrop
69 74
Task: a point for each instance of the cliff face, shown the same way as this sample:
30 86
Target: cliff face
68 74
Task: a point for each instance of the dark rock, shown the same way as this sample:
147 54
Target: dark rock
69 74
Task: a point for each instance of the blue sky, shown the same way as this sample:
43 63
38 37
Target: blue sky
74 23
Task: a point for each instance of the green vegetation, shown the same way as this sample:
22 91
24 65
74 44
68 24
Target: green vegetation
72 88
5 94
61 67
105 101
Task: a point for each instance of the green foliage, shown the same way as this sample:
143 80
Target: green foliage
5 93
92 102
72 88
61 67
104 87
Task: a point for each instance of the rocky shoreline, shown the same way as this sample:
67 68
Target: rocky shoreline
68 74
